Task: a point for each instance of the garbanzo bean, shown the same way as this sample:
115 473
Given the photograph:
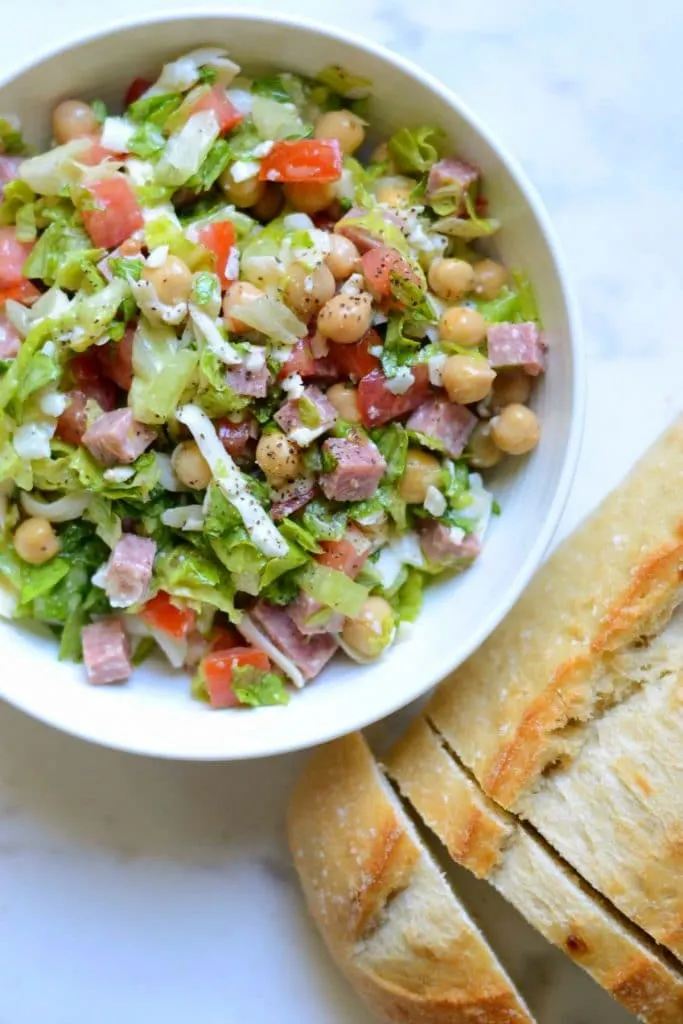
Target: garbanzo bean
270 203
346 318
306 291
342 125
172 281
450 279
462 326
392 194
372 630
489 278
484 453
242 193
510 386
190 466
35 541
72 119
467 379
238 294
309 196
279 458
343 258
344 398
516 429
422 471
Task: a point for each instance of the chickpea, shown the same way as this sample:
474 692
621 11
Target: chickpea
35 541
372 630
394 195
462 326
190 466
309 196
467 379
450 279
242 193
279 458
343 258
511 386
344 398
516 429
306 291
238 294
73 119
346 318
489 278
344 126
484 453
270 203
422 471
172 281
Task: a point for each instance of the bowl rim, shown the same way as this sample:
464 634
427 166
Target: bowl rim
327 730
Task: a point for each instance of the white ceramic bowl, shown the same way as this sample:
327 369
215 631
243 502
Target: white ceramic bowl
154 713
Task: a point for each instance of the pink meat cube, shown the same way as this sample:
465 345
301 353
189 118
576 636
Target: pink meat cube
106 653
360 467
444 545
309 653
517 345
445 422
305 613
293 497
450 178
250 383
116 437
129 570
312 413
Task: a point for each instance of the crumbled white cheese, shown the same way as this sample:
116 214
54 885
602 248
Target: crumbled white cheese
241 99
303 436
116 134
158 256
52 403
32 440
376 351
435 502
297 222
232 264
436 365
293 386
480 508
263 148
401 382
118 474
254 358
140 171
242 170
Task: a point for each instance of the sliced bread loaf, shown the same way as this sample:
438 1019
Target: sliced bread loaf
387 914
482 837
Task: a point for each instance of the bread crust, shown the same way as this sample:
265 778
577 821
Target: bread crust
385 911
480 836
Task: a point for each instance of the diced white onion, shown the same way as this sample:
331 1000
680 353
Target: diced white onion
242 170
435 502
32 440
293 386
185 517
116 134
158 256
241 99
71 506
401 382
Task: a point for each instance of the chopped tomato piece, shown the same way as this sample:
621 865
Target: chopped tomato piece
116 214
224 638
317 160
161 613
73 423
95 154
356 360
227 114
300 360
236 437
87 374
217 670
343 556
379 405
377 266
116 359
219 238
13 255
23 291
136 89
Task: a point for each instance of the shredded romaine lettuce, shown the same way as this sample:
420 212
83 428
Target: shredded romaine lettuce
348 85
186 152
163 370
333 589
414 150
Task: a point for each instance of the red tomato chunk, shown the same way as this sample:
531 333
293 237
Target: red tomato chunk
356 360
215 100
379 264
217 670
315 160
161 613
219 238
117 214
13 255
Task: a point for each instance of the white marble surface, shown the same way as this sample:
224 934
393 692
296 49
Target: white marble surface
132 888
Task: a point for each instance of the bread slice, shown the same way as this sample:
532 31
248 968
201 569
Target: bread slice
494 845
386 912
570 715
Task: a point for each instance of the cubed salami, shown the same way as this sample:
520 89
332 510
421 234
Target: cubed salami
359 468
517 345
129 570
306 418
450 178
448 545
106 652
445 422
117 437
311 617
250 383
309 653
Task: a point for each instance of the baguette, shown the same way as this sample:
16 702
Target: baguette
493 845
388 916
570 715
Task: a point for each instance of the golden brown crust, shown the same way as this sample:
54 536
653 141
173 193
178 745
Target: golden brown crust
382 906
552 897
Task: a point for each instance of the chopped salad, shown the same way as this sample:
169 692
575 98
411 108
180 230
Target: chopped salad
250 376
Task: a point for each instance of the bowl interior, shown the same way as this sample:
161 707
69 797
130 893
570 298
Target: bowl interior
154 713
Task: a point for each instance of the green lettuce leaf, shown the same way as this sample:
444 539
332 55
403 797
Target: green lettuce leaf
155 110
298 534
415 150
11 139
323 521
258 689
49 252
346 84
162 371
147 141
398 350
407 601
392 442
186 572
333 589
210 171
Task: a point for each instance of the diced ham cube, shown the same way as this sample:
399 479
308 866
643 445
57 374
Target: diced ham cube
450 178
517 345
361 236
305 608
117 437
360 467
10 340
303 419
250 383
129 570
292 498
9 170
446 545
237 437
445 422
106 653
309 654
